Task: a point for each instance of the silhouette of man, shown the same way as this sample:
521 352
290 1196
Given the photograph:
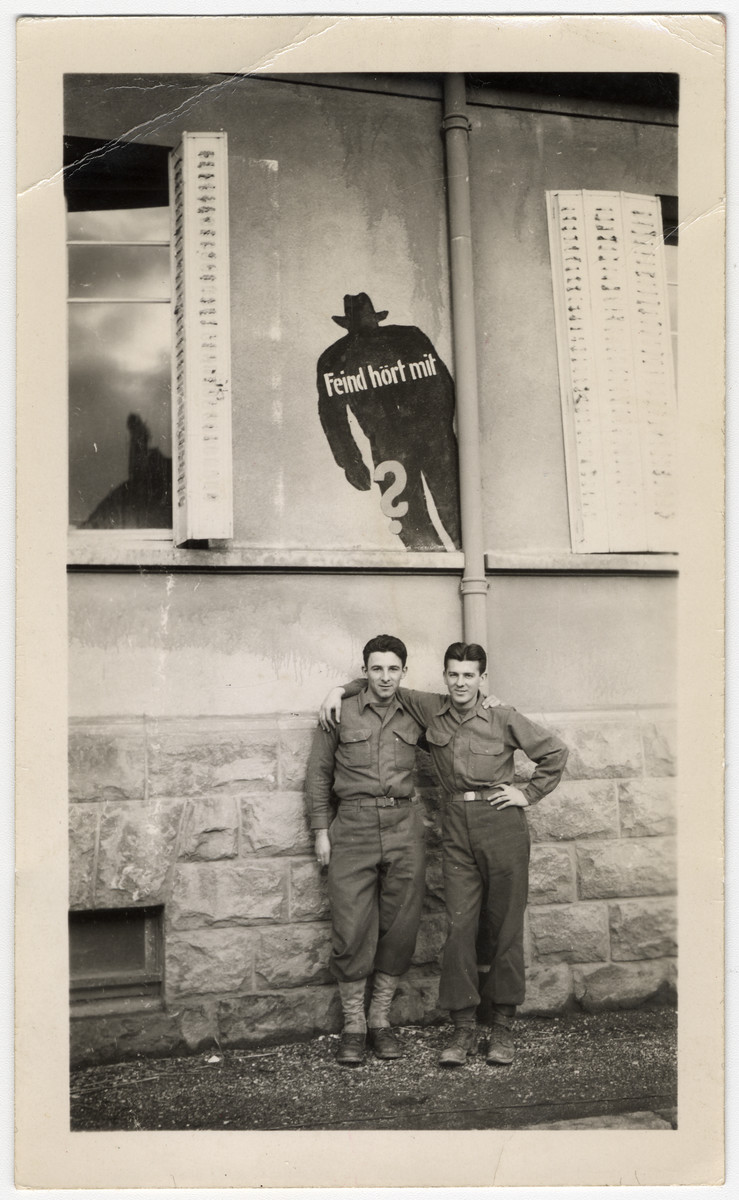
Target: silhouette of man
402 396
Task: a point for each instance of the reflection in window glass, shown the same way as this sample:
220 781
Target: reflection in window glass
119 423
119 225
119 272
119 366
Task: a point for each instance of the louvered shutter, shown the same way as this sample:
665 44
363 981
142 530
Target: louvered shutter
616 369
201 370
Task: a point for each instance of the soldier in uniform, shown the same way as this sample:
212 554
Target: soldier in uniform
373 846
485 840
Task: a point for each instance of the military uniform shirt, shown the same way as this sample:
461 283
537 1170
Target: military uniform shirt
473 750
372 753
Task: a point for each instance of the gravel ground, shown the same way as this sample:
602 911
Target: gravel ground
581 1067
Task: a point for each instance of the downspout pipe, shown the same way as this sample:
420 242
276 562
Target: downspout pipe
456 127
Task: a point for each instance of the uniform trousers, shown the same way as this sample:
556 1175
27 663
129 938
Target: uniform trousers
375 888
486 861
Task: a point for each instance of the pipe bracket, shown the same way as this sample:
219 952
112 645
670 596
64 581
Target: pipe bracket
473 586
456 121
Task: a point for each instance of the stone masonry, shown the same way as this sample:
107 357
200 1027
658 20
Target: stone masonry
205 818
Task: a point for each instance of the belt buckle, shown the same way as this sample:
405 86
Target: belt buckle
387 801
467 796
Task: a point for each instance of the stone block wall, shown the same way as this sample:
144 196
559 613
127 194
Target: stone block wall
205 817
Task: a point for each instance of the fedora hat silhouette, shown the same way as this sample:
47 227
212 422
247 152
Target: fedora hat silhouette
359 313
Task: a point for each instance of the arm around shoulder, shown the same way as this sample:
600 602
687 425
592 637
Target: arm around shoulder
329 713
421 705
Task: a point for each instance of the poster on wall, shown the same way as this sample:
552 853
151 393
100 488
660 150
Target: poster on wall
401 394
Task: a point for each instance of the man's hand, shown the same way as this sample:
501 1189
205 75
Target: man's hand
508 796
358 476
330 710
323 847
491 702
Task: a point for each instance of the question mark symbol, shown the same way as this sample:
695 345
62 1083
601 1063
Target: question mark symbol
389 503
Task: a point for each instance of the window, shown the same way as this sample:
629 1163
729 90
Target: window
115 954
149 344
118 232
617 383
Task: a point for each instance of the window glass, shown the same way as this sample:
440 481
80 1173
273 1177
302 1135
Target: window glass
118 230
119 272
119 225
119 416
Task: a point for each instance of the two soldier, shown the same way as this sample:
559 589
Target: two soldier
363 758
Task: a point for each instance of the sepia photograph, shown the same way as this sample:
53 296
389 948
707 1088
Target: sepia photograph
374 543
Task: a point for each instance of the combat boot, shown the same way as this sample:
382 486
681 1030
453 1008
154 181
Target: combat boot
500 1043
463 1041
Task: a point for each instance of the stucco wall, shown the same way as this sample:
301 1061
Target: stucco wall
191 644
600 641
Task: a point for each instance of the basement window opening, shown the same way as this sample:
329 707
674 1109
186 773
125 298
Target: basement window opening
115 954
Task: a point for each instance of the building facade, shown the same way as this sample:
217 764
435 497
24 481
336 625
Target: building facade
269 439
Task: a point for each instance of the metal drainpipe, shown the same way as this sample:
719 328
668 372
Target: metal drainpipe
474 586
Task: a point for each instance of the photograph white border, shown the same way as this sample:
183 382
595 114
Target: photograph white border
48 1155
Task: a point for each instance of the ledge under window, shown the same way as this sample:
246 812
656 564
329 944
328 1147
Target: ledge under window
129 552
126 551
580 564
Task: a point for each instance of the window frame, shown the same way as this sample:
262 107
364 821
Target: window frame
143 983
161 533
202 480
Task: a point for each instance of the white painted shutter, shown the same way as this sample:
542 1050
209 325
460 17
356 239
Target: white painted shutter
202 499
616 370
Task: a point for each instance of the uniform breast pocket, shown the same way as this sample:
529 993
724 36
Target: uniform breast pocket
355 747
405 748
487 760
438 737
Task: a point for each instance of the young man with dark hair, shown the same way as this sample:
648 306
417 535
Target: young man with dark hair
374 847
485 839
